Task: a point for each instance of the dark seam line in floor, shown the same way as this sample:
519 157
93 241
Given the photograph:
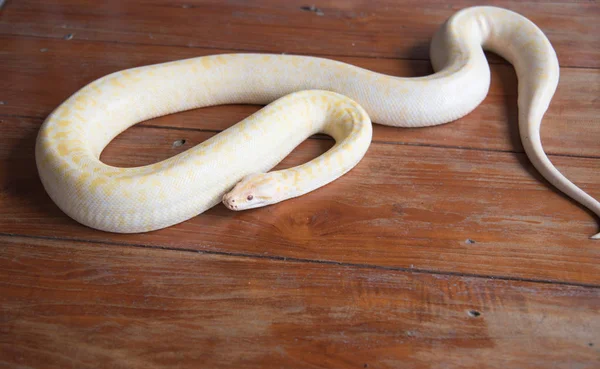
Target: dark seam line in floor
308 261
241 50
322 137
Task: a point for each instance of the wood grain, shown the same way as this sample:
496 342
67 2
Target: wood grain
442 249
402 206
43 73
101 306
385 28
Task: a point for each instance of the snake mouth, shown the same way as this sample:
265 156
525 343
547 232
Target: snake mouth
238 204
229 202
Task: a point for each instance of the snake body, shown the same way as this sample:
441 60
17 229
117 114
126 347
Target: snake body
308 95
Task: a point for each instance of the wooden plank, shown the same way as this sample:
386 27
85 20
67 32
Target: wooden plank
354 27
100 306
382 269
43 73
426 208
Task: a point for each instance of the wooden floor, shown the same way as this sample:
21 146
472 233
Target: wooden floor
443 249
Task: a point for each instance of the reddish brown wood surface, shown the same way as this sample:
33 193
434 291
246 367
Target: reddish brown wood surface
79 305
384 28
379 269
402 206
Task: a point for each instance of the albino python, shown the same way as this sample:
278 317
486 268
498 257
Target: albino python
310 96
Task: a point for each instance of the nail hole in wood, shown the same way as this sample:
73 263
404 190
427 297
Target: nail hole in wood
474 313
313 9
178 143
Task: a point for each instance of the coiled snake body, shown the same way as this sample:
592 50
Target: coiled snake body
309 95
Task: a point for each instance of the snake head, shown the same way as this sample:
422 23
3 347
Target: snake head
253 191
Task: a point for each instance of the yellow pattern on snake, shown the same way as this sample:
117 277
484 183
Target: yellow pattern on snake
306 95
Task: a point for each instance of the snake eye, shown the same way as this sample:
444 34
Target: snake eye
250 197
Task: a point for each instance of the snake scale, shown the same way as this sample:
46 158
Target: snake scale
306 95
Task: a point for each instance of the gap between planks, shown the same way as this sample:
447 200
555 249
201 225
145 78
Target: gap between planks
302 260
497 60
328 138
382 142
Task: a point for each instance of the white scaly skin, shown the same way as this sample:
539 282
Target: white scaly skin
352 132
156 196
